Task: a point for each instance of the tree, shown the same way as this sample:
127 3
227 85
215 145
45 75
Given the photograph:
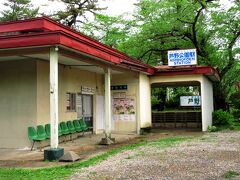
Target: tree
165 25
227 28
162 25
107 29
76 11
183 24
226 54
17 10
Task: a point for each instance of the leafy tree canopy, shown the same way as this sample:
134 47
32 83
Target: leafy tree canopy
107 29
162 25
17 10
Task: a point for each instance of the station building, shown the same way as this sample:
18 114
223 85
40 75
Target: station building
50 73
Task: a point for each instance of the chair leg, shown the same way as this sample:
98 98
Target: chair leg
65 139
32 145
40 145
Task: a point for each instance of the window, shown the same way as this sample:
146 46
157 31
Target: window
71 101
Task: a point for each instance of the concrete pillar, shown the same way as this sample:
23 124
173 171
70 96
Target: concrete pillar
108 102
54 96
108 109
144 103
207 103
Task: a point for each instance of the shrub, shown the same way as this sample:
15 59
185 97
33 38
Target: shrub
212 129
236 113
222 118
157 104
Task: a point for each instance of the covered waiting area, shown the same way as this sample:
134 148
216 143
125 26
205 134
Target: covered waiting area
202 76
177 110
45 65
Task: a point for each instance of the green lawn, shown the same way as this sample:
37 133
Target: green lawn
62 172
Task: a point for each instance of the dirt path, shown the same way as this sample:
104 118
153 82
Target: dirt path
85 147
207 157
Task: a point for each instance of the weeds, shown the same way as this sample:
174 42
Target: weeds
231 174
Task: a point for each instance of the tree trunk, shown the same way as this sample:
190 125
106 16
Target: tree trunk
220 98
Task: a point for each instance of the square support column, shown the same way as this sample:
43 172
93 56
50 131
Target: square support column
108 102
144 104
54 153
207 103
108 115
54 96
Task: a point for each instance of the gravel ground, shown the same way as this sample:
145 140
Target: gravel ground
207 157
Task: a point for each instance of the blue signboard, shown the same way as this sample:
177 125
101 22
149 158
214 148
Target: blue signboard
182 57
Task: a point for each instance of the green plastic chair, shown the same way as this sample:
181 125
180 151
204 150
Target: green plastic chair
71 127
83 124
33 136
60 133
77 126
41 131
65 130
48 131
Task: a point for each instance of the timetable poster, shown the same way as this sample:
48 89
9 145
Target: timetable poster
124 109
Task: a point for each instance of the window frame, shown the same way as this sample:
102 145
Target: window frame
71 102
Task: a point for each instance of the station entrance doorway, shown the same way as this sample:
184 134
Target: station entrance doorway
176 105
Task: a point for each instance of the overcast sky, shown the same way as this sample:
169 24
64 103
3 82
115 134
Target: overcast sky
115 7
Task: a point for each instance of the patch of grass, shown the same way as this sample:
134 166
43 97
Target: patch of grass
140 153
129 157
232 127
212 129
168 142
231 174
137 154
61 172
93 172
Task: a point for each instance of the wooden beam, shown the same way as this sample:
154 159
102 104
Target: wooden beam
23 51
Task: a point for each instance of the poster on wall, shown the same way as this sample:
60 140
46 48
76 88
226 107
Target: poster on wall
124 109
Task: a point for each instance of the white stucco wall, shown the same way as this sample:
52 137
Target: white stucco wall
17 102
145 117
207 103
131 80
